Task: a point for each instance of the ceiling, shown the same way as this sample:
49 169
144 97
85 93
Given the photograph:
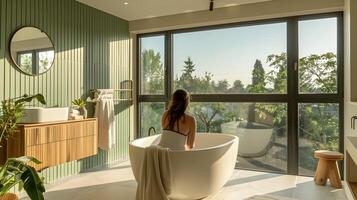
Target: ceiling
140 9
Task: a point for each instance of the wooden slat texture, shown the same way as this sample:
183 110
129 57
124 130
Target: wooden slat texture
56 143
92 51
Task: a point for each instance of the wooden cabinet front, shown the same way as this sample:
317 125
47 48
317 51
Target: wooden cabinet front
55 143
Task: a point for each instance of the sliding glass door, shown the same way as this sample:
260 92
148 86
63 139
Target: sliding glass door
276 84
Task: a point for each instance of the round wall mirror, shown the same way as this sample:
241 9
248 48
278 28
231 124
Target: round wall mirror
32 51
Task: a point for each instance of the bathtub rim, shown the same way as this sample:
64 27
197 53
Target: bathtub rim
234 138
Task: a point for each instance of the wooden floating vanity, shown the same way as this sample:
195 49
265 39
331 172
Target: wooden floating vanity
56 142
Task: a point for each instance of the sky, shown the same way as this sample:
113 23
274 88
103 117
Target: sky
230 53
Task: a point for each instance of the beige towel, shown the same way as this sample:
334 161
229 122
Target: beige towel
104 111
155 175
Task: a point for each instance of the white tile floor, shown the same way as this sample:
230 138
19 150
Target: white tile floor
117 183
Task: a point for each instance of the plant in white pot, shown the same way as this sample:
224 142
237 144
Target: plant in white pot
81 104
16 171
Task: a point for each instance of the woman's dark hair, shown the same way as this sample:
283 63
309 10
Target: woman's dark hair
177 107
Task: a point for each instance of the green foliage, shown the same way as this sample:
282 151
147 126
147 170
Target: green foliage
17 171
153 72
319 126
12 111
207 114
318 73
26 63
258 79
79 102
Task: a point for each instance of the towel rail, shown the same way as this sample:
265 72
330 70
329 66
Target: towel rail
115 90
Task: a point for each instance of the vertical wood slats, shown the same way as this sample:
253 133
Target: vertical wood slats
92 51
56 143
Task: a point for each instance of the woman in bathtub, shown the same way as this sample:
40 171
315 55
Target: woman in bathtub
178 127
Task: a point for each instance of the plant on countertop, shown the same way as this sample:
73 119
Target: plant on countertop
79 102
82 106
16 170
11 112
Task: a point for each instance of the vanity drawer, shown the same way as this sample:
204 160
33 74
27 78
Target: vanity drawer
55 143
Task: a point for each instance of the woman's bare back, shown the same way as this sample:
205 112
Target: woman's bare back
186 126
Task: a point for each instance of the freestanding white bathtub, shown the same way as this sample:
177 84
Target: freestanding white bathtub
196 173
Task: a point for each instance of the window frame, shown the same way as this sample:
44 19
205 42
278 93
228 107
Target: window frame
292 97
35 58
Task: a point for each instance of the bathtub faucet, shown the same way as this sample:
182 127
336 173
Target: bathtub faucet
149 131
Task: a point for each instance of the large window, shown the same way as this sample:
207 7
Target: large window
276 84
152 60
231 61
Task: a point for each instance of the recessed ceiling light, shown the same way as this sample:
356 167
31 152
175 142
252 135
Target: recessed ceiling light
126 3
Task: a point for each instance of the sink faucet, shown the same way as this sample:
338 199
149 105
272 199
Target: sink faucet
149 131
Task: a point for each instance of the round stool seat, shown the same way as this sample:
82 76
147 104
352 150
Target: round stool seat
328 155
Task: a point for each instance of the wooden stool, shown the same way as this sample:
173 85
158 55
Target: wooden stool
327 168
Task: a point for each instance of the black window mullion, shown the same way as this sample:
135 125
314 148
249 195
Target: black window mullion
246 98
168 67
292 62
340 83
318 98
152 98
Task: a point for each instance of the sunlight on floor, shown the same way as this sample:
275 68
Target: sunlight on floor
117 183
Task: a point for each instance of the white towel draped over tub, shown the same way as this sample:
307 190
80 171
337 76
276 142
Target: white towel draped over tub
155 175
104 111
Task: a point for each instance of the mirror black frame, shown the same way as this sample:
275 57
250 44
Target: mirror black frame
14 60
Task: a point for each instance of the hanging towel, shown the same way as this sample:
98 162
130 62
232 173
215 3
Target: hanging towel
104 111
155 175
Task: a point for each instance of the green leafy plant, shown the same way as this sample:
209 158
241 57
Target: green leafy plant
79 102
12 111
16 171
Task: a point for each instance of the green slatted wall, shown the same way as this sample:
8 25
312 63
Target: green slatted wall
92 51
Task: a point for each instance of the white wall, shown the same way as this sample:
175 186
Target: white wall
350 107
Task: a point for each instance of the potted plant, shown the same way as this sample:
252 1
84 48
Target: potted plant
81 104
12 110
16 170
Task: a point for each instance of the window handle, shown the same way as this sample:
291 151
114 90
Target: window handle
296 66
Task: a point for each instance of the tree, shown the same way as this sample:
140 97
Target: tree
237 88
222 86
189 68
186 80
258 78
209 115
257 86
153 72
318 73
277 78
26 63
278 73
152 82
